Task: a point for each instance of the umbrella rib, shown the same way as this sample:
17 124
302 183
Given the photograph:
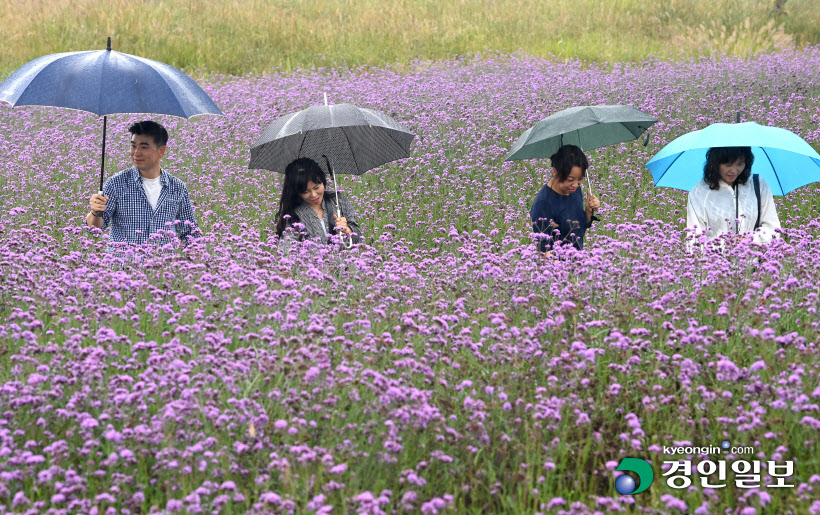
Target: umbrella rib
773 170
174 83
105 64
168 85
393 134
302 144
352 154
668 167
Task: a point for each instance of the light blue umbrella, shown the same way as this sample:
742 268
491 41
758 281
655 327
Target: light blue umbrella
105 82
782 157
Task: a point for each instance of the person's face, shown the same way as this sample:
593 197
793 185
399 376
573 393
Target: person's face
314 193
145 154
573 182
730 171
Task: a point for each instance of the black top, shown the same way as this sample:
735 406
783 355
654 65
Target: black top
567 211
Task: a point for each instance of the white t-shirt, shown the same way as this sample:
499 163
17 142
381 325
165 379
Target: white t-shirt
152 187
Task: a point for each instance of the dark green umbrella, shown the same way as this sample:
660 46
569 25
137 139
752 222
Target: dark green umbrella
588 127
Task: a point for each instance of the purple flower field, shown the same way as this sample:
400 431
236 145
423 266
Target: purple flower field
442 366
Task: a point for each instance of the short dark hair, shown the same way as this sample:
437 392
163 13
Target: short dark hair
717 156
150 128
568 157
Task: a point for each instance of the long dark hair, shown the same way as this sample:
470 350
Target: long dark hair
717 156
297 175
568 157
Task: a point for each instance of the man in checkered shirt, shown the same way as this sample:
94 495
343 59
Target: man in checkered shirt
142 200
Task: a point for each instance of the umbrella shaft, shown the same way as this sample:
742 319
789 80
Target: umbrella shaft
349 243
102 161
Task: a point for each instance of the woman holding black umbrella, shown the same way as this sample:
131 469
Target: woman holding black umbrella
307 201
559 206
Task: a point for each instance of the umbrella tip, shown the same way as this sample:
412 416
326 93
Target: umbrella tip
737 117
329 169
108 47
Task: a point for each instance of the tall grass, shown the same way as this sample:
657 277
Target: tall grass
252 36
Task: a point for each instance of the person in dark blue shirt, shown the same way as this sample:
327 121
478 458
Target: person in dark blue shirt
558 212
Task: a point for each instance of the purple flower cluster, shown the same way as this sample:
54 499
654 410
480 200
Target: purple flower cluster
443 365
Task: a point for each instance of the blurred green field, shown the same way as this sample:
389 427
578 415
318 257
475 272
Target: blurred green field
253 36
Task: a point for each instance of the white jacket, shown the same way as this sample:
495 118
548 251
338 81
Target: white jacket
713 211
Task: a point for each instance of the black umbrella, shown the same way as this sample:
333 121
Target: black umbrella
355 139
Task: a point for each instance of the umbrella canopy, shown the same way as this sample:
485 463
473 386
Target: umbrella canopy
587 127
782 158
354 138
105 82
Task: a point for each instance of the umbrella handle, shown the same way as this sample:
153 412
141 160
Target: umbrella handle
348 243
589 185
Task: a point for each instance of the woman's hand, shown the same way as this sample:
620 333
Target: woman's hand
593 203
341 224
550 256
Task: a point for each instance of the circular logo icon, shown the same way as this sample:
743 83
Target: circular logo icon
625 485
725 444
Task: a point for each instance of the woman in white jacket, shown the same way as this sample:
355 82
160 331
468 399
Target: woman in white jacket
725 200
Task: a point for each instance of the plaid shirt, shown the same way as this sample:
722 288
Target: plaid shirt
130 215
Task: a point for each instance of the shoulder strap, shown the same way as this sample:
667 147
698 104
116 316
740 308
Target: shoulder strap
756 180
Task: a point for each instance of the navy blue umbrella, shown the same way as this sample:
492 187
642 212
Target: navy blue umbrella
105 82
